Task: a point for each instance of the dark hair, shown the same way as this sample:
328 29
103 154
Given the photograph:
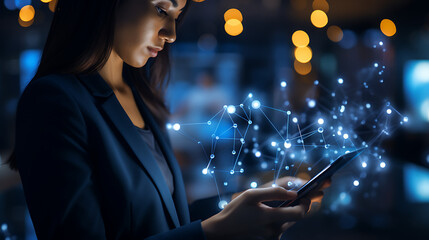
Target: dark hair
80 40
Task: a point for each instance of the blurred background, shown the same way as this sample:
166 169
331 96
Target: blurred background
276 49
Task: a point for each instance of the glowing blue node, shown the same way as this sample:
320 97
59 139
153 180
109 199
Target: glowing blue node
222 204
292 155
253 185
288 112
273 185
250 95
287 167
389 111
256 104
345 198
290 183
309 168
287 144
326 146
342 108
382 164
405 119
249 122
217 137
241 170
283 84
380 43
233 152
256 127
239 163
295 120
231 172
235 125
264 165
320 121
316 82
375 64
212 156
273 144
225 106
311 103
364 164
345 136
368 105
242 140
356 183
340 80
169 125
333 94
320 130
205 171
176 127
258 154
225 183
231 109
209 123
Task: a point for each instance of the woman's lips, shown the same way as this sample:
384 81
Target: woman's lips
154 51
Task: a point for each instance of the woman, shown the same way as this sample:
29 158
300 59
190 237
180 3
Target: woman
89 164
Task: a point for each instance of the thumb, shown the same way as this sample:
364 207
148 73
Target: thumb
268 194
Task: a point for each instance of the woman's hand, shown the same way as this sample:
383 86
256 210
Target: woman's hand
246 217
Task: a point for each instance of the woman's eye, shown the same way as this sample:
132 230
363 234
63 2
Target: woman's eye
161 11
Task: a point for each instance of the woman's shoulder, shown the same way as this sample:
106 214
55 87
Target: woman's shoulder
52 87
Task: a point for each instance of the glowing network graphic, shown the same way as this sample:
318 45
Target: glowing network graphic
253 136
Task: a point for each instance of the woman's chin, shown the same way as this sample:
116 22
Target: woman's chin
138 63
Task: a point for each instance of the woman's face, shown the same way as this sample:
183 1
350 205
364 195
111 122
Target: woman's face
143 27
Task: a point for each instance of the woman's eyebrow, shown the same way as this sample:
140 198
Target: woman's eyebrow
174 2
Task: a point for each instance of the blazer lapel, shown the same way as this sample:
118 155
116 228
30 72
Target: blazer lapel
179 188
121 121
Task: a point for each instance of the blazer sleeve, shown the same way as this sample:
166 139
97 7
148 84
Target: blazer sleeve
52 159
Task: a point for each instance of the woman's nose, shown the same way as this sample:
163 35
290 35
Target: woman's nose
168 32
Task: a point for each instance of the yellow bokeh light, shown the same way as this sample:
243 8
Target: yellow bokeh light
388 27
45 1
300 38
233 27
233 14
335 33
321 5
198 0
25 24
26 13
319 18
302 68
303 54
52 5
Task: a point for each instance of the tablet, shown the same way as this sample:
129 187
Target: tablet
315 183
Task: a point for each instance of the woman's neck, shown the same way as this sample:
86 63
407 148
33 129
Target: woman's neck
112 72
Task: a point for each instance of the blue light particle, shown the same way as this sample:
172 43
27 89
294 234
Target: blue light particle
258 154
231 109
222 204
356 183
256 104
320 121
176 127
340 80
287 144
205 171
253 184
320 130
283 84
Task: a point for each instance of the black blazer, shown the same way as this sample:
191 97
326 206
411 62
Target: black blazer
86 172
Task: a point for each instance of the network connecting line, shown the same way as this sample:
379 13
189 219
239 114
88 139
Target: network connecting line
261 138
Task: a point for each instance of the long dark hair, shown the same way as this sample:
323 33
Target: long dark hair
80 40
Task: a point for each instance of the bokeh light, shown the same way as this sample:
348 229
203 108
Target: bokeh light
321 5
300 38
25 24
233 14
303 54
388 27
27 13
302 68
45 1
319 18
52 5
335 33
233 27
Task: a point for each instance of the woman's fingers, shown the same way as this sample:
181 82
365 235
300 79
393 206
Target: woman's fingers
286 214
258 195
